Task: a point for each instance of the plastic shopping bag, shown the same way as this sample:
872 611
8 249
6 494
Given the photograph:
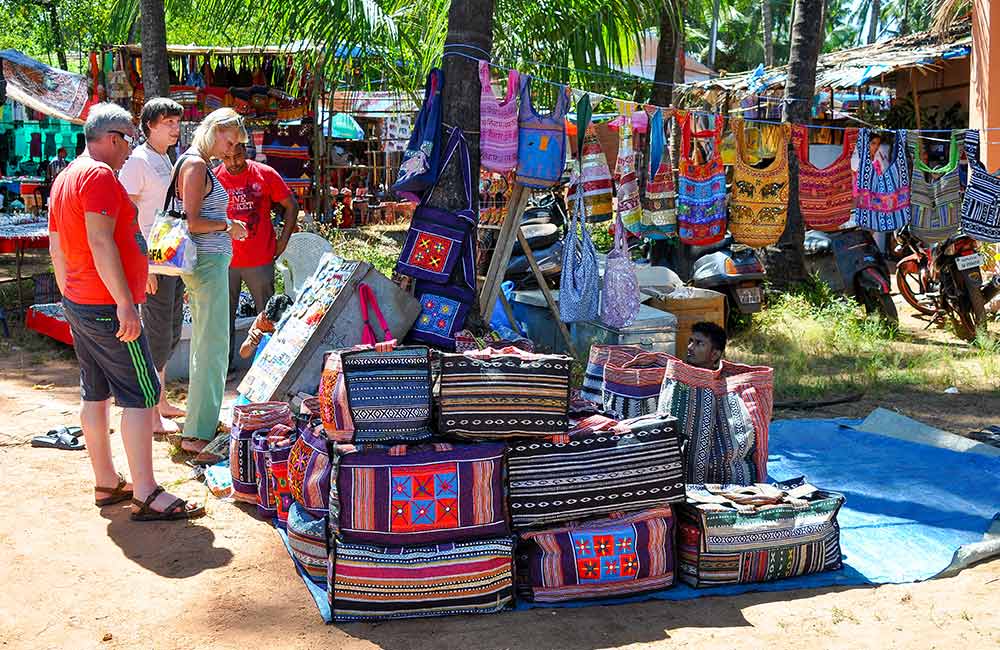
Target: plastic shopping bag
171 249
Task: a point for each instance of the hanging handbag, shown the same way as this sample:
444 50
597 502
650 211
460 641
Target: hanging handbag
659 201
171 250
437 237
594 175
579 283
422 158
444 309
620 290
629 203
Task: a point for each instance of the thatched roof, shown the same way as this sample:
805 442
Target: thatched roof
852 68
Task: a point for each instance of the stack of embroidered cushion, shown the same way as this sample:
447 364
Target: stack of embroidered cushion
535 504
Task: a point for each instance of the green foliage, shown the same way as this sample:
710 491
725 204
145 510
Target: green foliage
603 240
822 345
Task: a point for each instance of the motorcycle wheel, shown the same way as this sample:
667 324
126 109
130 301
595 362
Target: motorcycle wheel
971 313
910 286
881 304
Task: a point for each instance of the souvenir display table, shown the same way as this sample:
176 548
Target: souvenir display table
20 232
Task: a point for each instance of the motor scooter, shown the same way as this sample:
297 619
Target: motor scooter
735 271
850 262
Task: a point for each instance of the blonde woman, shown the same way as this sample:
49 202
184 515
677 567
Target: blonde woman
205 201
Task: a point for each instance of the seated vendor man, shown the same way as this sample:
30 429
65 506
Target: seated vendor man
706 346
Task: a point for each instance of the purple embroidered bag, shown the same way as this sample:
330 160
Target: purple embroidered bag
418 495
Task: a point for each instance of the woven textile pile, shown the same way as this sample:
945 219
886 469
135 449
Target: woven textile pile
424 484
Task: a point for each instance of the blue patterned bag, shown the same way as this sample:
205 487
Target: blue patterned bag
579 284
389 394
422 158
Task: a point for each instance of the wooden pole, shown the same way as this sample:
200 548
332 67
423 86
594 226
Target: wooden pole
549 299
916 97
501 254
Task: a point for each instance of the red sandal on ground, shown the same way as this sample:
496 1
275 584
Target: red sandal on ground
105 496
179 509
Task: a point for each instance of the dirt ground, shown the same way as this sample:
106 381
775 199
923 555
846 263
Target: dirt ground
78 577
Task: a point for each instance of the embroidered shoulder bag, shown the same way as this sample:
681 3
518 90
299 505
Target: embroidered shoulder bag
422 158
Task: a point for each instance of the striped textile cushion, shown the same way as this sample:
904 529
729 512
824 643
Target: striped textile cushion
600 356
420 495
724 416
632 389
509 393
721 542
598 559
389 393
307 539
377 582
636 466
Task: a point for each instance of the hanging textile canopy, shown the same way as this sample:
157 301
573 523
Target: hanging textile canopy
57 93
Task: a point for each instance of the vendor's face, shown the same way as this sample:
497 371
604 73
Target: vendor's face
237 161
701 353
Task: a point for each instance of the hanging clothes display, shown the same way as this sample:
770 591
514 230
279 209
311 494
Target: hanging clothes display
594 174
825 196
882 200
758 208
627 179
497 123
659 200
701 196
981 204
541 144
935 194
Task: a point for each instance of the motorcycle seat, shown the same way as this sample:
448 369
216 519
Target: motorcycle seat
725 242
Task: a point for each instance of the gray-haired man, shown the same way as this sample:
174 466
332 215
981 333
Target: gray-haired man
99 257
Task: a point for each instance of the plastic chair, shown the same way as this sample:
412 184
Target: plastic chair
300 260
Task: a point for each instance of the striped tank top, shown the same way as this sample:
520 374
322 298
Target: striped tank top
213 208
825 198
882 200
935 195
981 205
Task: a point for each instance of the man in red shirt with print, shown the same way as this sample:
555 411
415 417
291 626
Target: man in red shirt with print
254 189
99 257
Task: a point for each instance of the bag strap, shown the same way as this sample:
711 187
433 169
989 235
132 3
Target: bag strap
367 297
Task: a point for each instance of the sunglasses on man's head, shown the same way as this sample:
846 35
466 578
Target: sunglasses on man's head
129 140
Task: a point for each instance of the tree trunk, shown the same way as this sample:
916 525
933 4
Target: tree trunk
876 9
714 35
786 261
767 21
155 74
470 33
666 54
57 37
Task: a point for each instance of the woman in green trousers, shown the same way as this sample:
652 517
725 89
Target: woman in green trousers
205 201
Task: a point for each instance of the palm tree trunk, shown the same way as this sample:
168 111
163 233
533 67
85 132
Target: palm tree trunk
155 76
714 36
786 262
666 53
876 9
57 37
766 19
470 33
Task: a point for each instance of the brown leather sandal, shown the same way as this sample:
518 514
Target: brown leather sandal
179 509
113 495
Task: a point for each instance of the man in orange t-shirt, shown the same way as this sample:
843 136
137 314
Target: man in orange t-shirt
99 257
